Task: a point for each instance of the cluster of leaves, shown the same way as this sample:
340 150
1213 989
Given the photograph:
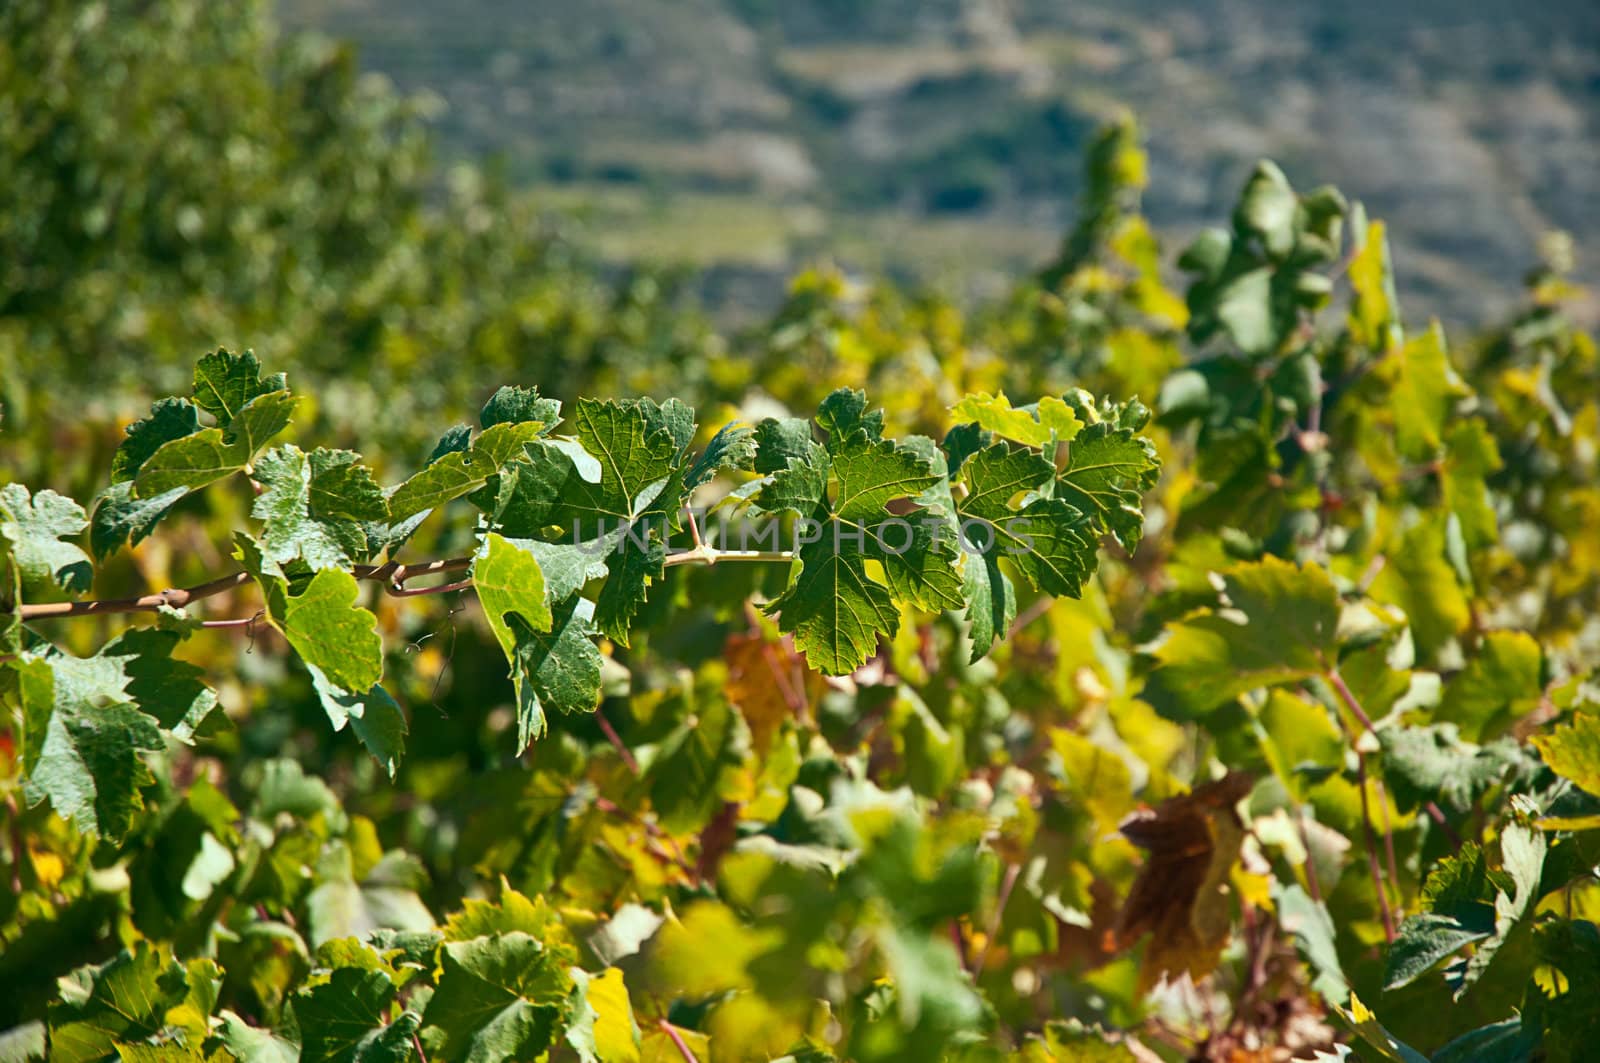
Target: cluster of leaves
1277 737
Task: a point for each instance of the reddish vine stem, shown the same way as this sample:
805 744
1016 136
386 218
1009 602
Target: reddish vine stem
1388 846
683 1049
1347 696
1372 850
393 573
616 742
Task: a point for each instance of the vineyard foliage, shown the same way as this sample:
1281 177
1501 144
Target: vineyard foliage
1111 671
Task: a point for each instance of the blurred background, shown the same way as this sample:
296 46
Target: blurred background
940 139
618 195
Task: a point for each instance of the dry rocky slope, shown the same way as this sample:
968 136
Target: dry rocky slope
1472 127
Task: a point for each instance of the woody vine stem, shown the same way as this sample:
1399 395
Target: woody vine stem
393 575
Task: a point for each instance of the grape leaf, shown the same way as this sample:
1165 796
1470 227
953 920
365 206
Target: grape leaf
1047 540
121 1002
508 579
169 419
224 384
603 1029
498 997
1375 308
311 506
341 907
31 530
120 517
454 473
1109 468
1498 686
557 669
1048 421
834 607
210 454
1573 751
374 716
250 1045
338 642
553 670
1180 896
1278 627
323 623
625 506
342 1020
517 405
84 730
733 447
1471 456
1423 391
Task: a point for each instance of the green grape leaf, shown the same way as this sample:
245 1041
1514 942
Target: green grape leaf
1573 751
558 669
1315 937
121 1002
627 498
1499 686
1423 392
733 447
1048 421
169 419
500 997
323 623
512 911
508 579
549 668
1433 763
210 454
344 489
342 1020
689 761
845 412
120 517
31 530
1459 897
295 526
1522 855
1267 209
1109 468
1427 938
24 1043
84 731
339 644
1562 1015
1471 456
1002 515
248 1044
1375 308
1278 627
516 405
340 907
454 473
374 716
835 607
1419 578
224 384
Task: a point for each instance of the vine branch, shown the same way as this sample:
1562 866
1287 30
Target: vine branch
393 575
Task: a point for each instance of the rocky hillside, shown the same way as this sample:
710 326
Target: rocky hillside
941 138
